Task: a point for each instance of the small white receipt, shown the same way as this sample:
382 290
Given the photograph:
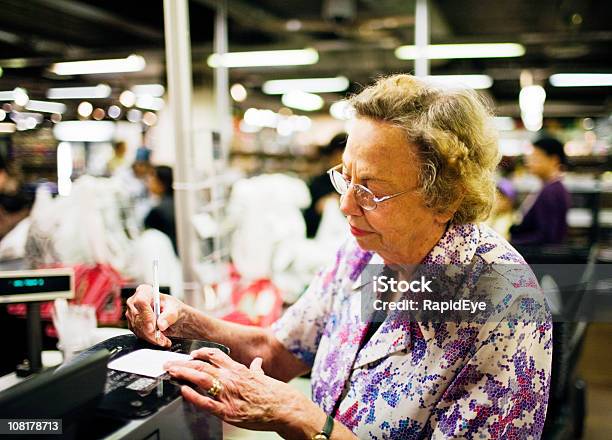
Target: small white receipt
146 362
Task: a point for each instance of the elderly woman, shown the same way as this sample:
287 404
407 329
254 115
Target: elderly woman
416 177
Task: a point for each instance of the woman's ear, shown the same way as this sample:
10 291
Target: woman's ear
443 217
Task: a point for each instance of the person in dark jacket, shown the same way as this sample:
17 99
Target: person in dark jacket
161 217
320 186
544 214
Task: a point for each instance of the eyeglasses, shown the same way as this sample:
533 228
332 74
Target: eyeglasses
364 197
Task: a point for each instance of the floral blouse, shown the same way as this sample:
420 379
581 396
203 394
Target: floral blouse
415 380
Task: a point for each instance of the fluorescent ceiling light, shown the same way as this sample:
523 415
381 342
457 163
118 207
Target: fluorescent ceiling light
302 100
155 90
133 63
20 116
7 95
19 95
84 131
462 81
46 106
99 91
581 79
149 102
296 57
312 85
450 51
238 92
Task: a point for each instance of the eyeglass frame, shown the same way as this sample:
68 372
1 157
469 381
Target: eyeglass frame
375 199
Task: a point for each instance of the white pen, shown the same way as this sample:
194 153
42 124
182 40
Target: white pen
156 299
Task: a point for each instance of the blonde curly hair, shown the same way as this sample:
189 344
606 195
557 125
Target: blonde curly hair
452 130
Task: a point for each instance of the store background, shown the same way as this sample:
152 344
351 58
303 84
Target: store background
355 40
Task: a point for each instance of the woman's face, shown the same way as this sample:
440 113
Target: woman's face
402 230
541 164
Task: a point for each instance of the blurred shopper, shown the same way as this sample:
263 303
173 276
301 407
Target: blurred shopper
118 160
502 214
544 214
16 199
320 186
161 217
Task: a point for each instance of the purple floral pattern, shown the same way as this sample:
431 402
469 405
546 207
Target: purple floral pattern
421 380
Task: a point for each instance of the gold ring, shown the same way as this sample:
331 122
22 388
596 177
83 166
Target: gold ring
216 387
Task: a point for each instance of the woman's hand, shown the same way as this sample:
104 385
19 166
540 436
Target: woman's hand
141 316
247 398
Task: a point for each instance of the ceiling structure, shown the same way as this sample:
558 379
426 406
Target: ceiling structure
357 41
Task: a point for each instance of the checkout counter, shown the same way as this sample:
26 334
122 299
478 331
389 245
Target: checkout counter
95 402
91 400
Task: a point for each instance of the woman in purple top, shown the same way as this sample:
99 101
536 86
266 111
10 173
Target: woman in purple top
415 181
544 214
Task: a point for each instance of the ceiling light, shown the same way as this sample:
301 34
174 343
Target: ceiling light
127 98
98 114
149 118
96 92
114 111
2 115
581 79
133 63
149 103
84 131
155 90
22 116
450 51
461 81
264 58
1 72
238 92
7 95
312 85
531 102
302 100
46 106
134 115
20 96
261 118
84 109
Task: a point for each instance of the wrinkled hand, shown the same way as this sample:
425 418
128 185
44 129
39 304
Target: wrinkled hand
141 316
248 398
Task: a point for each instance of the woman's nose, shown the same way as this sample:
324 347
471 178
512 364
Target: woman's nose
348 203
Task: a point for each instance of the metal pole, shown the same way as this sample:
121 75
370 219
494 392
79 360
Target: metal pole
421 38
222 98
178 68
221 78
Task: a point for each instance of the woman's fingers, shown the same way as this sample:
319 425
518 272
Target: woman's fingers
199 378
204 402
169 312
196 365
141 316
256 365
215 357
